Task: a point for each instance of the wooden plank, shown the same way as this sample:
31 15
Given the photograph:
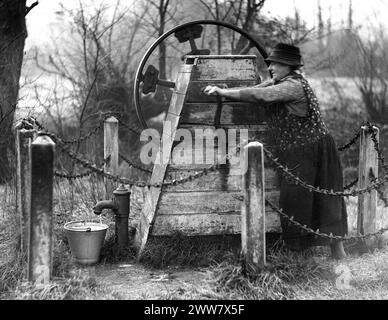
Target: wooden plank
232 113
367 202
205 202
219 180
253 209
256 132
152 197
195 91
225 67
207 224
203 146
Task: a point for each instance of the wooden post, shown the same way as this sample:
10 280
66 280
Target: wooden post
111 153
41 225
23 181
253 208
367 202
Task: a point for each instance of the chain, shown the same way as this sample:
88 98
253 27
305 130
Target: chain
73 141
72 177
351 142
376 143
379 191
380 156
174 182
130 163
324 235
316 232
351 184
311 188
130 128
87 164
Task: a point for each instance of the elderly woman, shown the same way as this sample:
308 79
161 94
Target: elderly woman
303 144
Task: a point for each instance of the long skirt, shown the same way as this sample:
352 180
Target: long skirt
319 165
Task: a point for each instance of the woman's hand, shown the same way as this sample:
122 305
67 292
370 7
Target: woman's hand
212 91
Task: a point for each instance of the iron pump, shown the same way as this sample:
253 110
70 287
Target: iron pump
120 206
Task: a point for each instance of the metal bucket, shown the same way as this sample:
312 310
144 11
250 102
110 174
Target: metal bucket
85 240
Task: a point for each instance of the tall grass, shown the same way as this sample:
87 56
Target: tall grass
72 201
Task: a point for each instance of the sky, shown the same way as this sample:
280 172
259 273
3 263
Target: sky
365 12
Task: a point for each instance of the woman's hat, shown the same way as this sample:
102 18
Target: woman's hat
286 54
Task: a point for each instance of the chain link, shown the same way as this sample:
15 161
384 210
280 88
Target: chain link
73 177
351 184
324 235
115 178
311 188
351 142
73 141
134 165
130 128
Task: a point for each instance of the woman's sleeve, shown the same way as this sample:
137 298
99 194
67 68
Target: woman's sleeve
286 91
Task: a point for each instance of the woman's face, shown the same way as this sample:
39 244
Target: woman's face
279 70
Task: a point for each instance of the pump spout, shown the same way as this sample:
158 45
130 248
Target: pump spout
105 204
120 206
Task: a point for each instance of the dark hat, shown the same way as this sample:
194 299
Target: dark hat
286 54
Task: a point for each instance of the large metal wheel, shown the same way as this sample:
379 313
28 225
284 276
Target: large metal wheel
185 32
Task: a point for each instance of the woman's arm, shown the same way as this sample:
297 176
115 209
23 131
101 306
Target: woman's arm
288 90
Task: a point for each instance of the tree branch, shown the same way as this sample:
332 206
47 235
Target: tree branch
32 6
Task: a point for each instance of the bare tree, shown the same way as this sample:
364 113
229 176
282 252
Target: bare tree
242 13
95 63
372 69
13 33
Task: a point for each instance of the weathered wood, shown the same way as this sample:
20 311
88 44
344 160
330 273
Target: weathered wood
367 202
207 224
111 153
197 224
23 178
233 113
213 67
253 209
169 129
210 204
195 91
41 226
219 180
204 202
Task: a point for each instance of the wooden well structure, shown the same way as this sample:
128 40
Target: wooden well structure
208 205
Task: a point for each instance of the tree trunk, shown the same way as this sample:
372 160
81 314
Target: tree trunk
12 38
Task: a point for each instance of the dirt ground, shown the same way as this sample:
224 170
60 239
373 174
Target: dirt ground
135 282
